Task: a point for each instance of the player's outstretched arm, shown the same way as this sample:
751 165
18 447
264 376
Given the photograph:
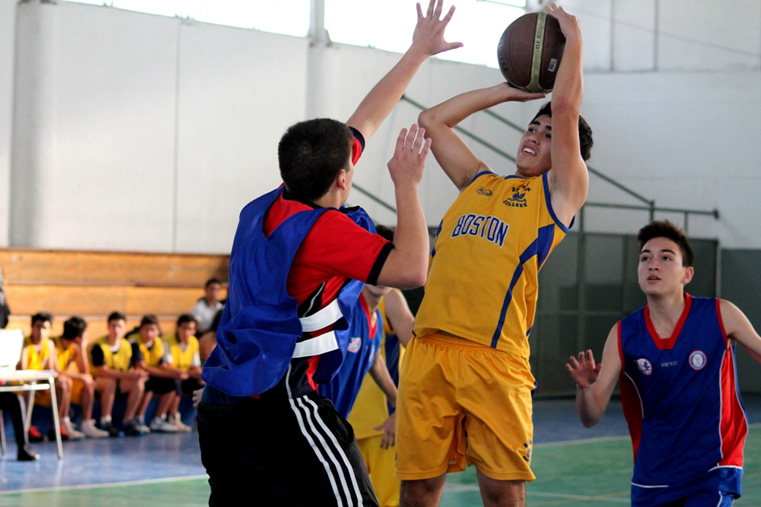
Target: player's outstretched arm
406 265
738 328
569 179
451 152
381 376
427 40
595 384
399 316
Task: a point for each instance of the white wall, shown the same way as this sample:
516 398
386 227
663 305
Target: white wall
164 129
7 36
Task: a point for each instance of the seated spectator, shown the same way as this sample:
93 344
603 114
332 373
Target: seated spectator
113 361
9 402
161 378
208 340
186 359
73 363
207 306
40 353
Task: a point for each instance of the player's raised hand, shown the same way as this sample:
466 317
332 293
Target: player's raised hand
569 25
512 94
407 164
583 370
428 37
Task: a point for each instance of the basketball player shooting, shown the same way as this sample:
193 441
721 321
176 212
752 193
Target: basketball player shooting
471 361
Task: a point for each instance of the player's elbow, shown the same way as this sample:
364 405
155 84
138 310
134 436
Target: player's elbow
413 277
430 119
409 275
589 420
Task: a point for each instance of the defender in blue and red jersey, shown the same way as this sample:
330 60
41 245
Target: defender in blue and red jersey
675 361
297 265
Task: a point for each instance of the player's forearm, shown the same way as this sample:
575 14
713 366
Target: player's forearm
381 376
589 410
568 92
451 112
411 237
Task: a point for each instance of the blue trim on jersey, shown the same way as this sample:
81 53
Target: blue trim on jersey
438 231
545 237
478 175
525 256
545 179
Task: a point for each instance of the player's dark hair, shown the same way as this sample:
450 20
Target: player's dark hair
668 230
149 320
116 316
42 317
185 318
311 154
585 131
211 281
74 328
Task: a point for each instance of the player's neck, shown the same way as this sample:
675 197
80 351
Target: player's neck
371 300
665 311
334 198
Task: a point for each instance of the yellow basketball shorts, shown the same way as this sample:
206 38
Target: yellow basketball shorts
380 465
461 403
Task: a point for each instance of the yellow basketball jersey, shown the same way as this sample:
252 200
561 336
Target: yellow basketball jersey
370 408
482 278
152 356
36 360
183 359
119 360
65 356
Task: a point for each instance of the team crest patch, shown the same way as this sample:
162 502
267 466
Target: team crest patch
644 366
354 345
698 360
518 199
484 191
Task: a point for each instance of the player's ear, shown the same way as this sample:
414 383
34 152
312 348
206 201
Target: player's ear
341 181
688 273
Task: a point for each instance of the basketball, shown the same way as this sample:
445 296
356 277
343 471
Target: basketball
529 52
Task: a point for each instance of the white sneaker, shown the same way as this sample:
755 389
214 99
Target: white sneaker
73 434
177 421
161 425
90 431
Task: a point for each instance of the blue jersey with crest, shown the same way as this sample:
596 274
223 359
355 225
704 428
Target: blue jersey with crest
361 351
682 404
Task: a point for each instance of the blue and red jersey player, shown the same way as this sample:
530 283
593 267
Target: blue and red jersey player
297 266
675 361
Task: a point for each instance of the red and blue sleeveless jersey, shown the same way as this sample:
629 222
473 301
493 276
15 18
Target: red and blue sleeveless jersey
364 343
296 272
682 403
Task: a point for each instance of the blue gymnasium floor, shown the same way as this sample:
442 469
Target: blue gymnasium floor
574 465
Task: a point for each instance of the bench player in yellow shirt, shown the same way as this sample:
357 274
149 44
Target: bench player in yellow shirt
73 363
40 353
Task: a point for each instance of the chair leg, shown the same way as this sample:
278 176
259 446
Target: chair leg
2 433
26 415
